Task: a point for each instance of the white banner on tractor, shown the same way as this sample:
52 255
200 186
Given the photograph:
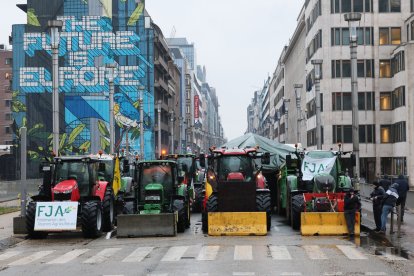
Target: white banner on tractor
56 216
312 166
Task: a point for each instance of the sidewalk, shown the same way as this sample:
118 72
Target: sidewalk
405 241
7 237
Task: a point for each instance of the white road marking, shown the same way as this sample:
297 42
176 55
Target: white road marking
375 273
243 252
276 228
9 254
244 273
197 274
208 253
174 254
102 256
291 273
351 252
157 274
138 255
68 256
333 274
314 252
280 253
31 258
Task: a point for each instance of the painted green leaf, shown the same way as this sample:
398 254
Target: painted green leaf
102 129
136 14
40 135
17 106
62 140
75 132
24 122
104 143
136 104
119 124
33 155
35 129
135 134
32 18
85 146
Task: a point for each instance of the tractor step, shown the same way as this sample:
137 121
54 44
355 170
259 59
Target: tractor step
326 223
237 223
146 225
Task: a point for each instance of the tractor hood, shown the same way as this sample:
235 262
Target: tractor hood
66 186
154 187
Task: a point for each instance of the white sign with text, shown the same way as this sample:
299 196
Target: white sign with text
56 215
312 166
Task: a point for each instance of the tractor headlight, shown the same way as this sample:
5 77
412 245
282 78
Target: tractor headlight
153 198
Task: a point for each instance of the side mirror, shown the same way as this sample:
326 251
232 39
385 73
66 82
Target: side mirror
266 158
288 160
102 167
353 160
125 168
202 160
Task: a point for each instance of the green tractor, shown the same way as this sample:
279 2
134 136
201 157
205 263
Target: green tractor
312 181
158 202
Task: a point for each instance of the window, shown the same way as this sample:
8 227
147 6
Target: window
341 101
384 36
385 133
412 29
389 36
393 133
8 116
398 63
8 103
392 100
343 6
311 137
8 61
389 5
342 68
7 130
385 68
412 5
366 101
367 134
342 133
385 101
396 36
314 45
316 11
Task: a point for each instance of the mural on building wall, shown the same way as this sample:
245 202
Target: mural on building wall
88 43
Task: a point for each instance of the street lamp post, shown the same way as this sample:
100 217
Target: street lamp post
111 73
285 103
317 63
159 127
141 125
353 19
172 131
298 89
54 26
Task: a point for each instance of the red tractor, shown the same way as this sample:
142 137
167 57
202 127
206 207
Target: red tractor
235 188
83 179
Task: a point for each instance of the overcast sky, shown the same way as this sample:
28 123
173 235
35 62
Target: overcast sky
239 42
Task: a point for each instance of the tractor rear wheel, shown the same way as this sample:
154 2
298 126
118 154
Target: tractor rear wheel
298 206
179 206
108 205
264 204
30 222
197 204
212 206
91 219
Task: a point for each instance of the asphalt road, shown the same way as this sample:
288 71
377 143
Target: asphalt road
281 252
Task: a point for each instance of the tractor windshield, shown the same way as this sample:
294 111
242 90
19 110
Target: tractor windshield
238 166
73 170
157 173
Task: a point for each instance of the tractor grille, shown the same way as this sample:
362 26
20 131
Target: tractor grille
62 196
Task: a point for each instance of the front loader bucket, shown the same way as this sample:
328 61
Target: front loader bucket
145 225
326 223
237 224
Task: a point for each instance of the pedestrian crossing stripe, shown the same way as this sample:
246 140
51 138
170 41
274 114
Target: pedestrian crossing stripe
178 253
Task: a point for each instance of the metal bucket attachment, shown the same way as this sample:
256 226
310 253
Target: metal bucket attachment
237 224
326 223
145 225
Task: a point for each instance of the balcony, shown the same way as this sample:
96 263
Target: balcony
161 84
161 64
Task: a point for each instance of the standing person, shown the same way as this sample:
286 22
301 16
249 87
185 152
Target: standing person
351 206
377 196
402 193
385 182
390 199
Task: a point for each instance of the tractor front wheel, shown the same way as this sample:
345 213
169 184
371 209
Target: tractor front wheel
30 222
108 205
298 206
91 219
179 206
212 206
264 204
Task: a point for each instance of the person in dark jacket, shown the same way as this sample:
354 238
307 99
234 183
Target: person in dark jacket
376 196
402 193
389 201
385 182
351 206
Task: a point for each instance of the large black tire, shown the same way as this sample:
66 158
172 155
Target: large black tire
91 219
204 222
198 202
298 206
264 204
180 207
211 206
188 215
30 222
108 210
